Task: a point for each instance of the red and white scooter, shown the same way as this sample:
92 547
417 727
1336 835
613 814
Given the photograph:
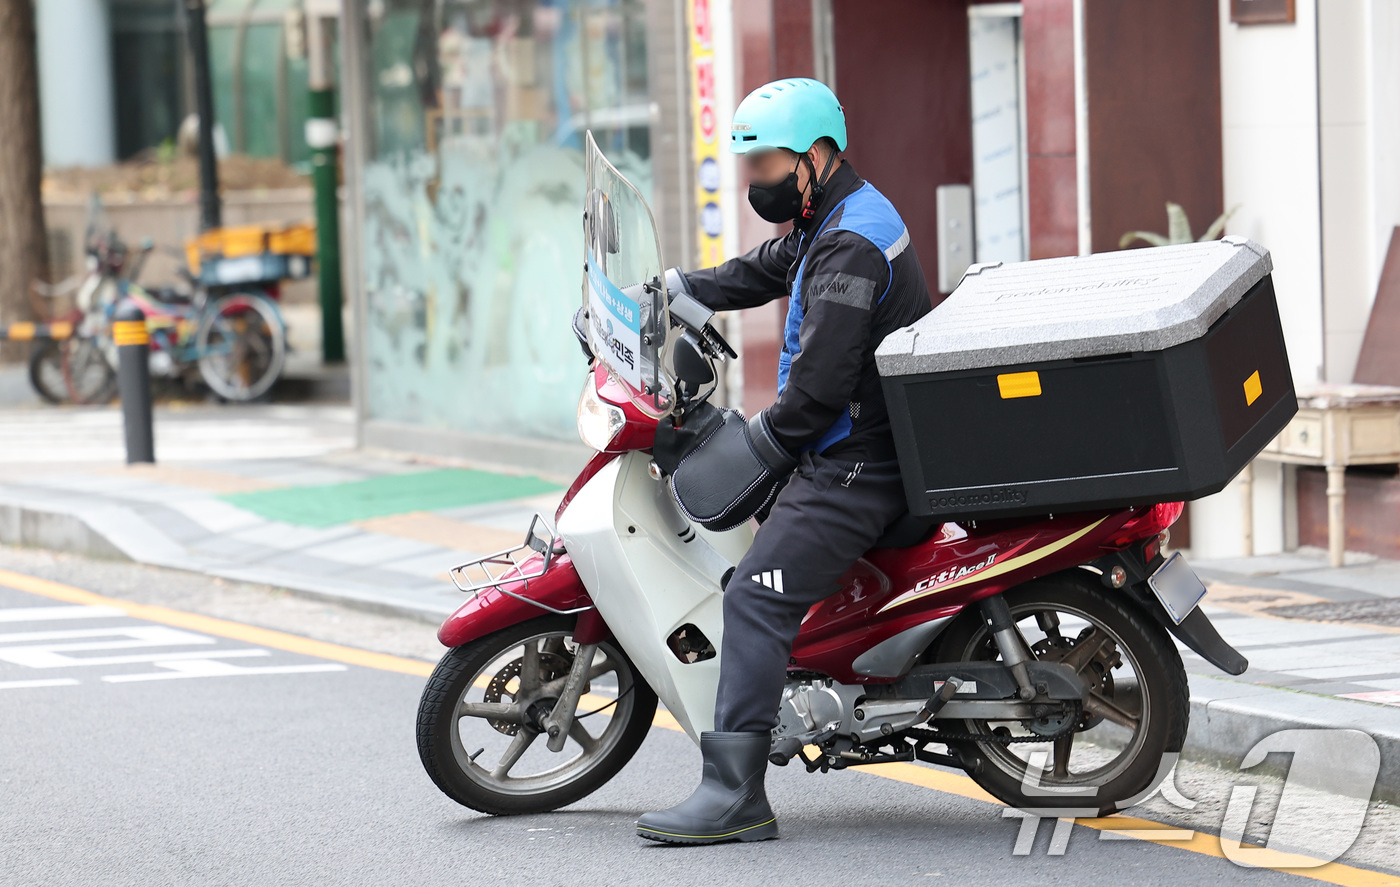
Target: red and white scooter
1034 653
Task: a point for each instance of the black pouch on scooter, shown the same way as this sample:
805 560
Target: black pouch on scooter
723 469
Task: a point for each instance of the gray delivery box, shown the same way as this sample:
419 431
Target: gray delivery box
1123 378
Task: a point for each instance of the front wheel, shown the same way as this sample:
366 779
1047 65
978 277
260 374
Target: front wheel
1131 726
88 374
481 719
46 371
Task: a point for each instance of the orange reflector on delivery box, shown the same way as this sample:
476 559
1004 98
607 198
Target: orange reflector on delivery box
1019 384
1252 389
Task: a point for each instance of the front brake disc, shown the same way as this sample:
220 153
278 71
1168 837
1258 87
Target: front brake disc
552 666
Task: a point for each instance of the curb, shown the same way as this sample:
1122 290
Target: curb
111 532
1228 717
55 532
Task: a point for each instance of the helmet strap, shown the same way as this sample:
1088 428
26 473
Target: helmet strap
810 210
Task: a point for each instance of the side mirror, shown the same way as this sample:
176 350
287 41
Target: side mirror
600 223
690 365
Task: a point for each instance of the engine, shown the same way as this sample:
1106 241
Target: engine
815 711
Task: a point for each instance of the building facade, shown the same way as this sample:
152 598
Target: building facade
115 77
466 149
1073 122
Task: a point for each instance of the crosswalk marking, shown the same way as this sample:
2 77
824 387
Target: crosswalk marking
211 668
135 632
41 682
50 648
45 614
190 435
49 659
210 630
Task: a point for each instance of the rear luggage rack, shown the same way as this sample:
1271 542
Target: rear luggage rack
506 566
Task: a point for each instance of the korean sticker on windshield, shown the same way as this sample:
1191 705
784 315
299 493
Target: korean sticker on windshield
616 326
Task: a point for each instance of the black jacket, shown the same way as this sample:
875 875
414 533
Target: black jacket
835 367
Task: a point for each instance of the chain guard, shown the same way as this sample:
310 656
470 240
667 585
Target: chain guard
944 736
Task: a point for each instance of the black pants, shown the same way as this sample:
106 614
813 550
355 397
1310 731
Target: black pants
825 518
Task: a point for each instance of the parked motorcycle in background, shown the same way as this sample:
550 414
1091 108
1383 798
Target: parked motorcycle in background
226 332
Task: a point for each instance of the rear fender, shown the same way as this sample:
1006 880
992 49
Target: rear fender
1195 631
492 610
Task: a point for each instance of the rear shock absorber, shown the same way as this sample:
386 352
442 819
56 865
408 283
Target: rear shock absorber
1010 644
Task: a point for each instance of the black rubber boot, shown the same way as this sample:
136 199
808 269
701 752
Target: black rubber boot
729 805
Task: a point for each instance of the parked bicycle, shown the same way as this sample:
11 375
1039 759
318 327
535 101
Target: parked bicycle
68 365
222 327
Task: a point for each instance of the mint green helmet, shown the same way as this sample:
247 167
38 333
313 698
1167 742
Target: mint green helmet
790 114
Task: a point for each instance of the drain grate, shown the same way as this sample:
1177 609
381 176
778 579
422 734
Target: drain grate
1384 611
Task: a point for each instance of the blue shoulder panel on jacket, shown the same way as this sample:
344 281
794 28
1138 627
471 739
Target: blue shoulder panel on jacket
870 214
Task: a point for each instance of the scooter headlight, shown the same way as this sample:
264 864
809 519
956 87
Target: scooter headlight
598 421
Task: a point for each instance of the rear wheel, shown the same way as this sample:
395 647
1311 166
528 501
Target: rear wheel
1133 722
481 719
242 346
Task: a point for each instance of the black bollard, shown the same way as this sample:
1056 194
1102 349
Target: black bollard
134 380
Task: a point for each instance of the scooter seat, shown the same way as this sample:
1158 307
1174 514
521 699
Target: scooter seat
907 530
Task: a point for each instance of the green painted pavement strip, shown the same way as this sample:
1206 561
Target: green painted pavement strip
330 504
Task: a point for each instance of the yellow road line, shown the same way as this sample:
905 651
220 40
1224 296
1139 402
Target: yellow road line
912 774
1260 857
1133 827
263 637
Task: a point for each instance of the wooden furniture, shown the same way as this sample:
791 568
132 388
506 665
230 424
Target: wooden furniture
1336 426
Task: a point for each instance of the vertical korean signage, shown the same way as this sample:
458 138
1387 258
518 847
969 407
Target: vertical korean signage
705 136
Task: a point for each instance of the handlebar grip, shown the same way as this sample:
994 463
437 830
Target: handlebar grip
581 332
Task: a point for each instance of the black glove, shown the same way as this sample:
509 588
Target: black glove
686 310
723 469
676 283
773 453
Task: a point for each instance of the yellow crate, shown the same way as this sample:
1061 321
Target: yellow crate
251 240
293 240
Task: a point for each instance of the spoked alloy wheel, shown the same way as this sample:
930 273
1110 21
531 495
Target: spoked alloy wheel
1134 719
481 721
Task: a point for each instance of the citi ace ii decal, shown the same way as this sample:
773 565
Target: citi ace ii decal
953 573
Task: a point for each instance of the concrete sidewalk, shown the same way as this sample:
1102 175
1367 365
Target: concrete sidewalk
270 494
275 495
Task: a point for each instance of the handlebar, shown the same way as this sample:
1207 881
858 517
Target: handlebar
689 314
147 246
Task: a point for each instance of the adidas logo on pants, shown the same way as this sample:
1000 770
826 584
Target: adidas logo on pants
770 579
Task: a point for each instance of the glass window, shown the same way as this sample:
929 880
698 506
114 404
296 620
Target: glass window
998 143
474 199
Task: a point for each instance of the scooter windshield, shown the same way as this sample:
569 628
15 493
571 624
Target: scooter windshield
624 288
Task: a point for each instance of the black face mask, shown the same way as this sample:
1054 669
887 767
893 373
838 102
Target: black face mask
777 203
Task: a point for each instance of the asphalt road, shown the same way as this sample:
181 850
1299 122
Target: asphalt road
158 735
